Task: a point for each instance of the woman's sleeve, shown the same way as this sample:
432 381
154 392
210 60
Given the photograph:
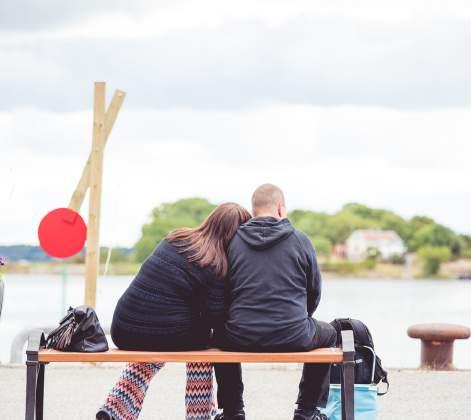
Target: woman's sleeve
215 304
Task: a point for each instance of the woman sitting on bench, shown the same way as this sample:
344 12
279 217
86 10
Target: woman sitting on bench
172 304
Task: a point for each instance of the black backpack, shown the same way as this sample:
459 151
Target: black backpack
368 368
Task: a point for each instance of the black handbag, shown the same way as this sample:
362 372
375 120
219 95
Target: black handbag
78 331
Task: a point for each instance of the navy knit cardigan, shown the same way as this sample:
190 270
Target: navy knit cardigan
172 304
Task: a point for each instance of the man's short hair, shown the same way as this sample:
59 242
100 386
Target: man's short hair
266 198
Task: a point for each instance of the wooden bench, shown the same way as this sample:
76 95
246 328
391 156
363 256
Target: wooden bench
37 358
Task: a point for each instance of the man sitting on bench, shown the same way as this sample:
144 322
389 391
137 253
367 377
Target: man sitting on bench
274 288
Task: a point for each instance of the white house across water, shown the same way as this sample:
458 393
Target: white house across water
387 242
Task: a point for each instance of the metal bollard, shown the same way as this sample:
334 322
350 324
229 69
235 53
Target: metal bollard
437 343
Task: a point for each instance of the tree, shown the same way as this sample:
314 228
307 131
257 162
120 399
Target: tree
418 222
373 255
323 229
432 257
465 246
437 236
322 245
342 224
379 218
188 212
118 255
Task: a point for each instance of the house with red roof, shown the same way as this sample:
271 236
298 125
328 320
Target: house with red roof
362 242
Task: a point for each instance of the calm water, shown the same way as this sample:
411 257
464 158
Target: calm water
388 307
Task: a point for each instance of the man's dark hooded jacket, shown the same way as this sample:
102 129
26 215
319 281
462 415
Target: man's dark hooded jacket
274 287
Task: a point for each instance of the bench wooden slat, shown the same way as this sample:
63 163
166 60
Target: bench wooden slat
324 355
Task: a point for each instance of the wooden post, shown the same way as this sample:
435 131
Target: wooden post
84 182
96 170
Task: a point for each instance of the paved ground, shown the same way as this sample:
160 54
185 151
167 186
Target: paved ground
74 393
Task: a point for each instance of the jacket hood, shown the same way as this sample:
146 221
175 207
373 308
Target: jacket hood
264 232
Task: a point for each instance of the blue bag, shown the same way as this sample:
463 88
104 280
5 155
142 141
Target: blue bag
365 402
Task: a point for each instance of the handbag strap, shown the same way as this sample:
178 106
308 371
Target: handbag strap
67 323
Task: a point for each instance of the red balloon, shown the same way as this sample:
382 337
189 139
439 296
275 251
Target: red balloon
62 233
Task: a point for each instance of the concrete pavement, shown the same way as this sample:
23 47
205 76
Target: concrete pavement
74 393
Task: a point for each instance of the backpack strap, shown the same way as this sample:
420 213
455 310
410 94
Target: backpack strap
362 333
341 324
373 368
384 380
363 338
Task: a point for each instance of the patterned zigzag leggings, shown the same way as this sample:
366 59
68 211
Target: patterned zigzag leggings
124 402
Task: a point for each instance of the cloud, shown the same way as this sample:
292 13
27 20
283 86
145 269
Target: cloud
409 161
31 15
333 101
416 64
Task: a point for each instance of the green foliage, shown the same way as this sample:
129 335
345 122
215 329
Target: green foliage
417 232
373 253
435 235
343 223
419 221
343 267
379 218
432 257
322 245
118 255
338 226
312 223
324 230
465 241
348 268
369 263
373 256
188 212
397 259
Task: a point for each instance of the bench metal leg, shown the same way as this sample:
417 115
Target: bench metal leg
348 389
31 389
348 376
34 378
40 392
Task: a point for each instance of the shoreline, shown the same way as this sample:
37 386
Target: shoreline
380 271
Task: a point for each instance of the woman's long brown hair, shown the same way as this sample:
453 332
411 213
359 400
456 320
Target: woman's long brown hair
207 244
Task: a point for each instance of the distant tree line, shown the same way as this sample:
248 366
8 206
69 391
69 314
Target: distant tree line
433 242
436 242
326 229
14 253
189 212
34 253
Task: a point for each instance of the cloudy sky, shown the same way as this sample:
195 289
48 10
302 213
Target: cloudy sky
332 102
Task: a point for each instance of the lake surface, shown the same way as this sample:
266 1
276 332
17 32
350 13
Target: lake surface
388 307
